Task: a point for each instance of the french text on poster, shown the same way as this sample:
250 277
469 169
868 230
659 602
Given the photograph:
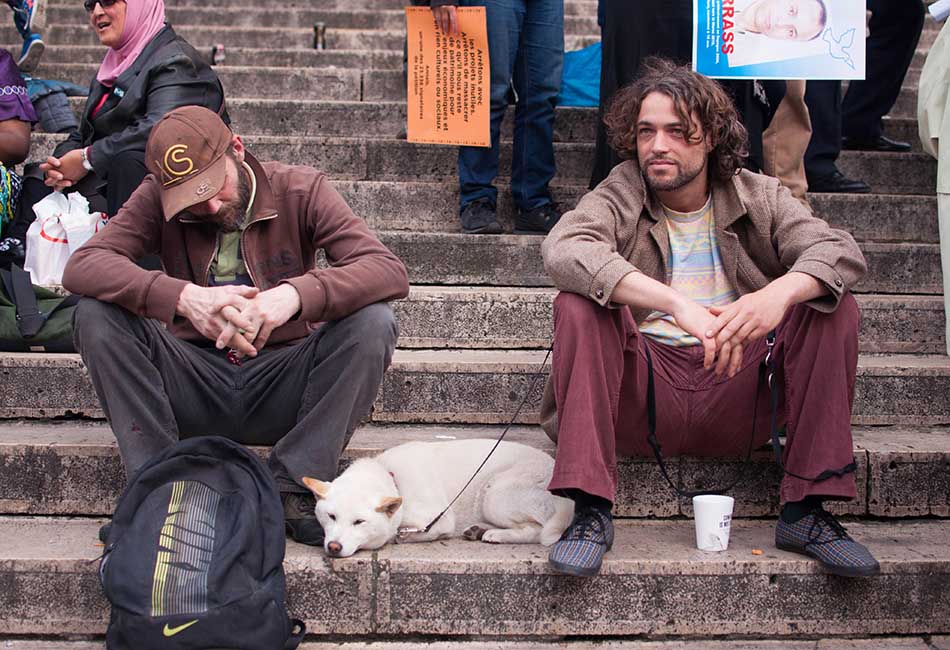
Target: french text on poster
448 77
779 39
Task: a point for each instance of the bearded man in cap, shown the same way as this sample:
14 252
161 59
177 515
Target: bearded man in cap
240 334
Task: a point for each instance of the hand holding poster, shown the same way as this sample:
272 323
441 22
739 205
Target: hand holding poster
448 79
779 39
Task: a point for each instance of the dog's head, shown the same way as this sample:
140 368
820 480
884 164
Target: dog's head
359 510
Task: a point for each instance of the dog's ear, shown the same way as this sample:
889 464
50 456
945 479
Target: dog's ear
319 488
389 505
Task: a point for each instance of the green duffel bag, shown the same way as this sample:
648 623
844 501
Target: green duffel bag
33 319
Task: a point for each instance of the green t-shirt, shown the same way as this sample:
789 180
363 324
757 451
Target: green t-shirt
227 266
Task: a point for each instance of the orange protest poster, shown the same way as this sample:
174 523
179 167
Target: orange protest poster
448 93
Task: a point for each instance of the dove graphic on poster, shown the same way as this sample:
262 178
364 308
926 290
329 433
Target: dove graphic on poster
838 47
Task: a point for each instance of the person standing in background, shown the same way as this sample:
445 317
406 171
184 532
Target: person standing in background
856 122
526 52
933 120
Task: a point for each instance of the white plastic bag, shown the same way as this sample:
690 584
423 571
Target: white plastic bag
80 224
63 224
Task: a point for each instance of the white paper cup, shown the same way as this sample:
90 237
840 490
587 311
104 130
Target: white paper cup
713 517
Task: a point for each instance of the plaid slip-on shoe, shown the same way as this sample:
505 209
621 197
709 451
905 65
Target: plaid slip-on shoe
581 548
819 535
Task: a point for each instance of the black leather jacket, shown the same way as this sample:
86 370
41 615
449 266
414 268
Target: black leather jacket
167 74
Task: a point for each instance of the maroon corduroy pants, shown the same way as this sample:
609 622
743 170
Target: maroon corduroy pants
599 374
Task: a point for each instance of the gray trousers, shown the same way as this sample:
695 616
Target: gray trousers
304 399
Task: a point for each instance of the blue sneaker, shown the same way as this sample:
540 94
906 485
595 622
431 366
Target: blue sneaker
27 17
32 52
581 549
819 535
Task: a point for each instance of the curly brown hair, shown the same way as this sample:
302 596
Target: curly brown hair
691 93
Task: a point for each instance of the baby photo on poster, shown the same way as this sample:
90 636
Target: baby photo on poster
447 92
779 39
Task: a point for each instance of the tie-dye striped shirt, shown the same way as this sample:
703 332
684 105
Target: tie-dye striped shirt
695 271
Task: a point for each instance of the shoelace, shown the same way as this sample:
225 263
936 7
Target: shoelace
587 525
823 519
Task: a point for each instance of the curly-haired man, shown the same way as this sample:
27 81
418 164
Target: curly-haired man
678 271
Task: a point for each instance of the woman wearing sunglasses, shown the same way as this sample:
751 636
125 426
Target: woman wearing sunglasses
147 71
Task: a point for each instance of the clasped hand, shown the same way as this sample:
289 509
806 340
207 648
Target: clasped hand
240 317
63 172
723 331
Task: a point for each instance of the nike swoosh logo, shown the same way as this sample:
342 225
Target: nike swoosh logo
172 631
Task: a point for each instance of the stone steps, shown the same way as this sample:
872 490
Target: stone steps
238 56
283 82
295 17
436 317
201 36
397 160
482 387
654 583
73 469
433 207
515 260
378 119
877 643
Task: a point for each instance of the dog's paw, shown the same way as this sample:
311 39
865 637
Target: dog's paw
474 533
493 536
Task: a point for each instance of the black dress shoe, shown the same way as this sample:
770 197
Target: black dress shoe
300 522
881 143
837 182
538 221
478 218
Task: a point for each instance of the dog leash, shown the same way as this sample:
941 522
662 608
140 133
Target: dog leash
403 531
767 376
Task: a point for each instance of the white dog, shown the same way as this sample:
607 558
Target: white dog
408 485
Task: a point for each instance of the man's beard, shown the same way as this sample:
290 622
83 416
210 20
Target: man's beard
231 215
684 175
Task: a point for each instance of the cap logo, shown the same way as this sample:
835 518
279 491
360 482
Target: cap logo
203 189
176 164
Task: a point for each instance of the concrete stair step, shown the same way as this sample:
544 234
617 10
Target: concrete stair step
515 260
433 207
434 317
877 643
397 160
63 468
378 119
456 386
294 17
481 387
260 37
653 583
91 55
377 85
571 7
505 318
281 82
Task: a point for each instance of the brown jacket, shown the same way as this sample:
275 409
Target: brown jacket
296 214
763 233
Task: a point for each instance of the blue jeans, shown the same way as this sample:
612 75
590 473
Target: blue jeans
526 50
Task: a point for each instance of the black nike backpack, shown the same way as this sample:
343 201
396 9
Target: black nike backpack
194 558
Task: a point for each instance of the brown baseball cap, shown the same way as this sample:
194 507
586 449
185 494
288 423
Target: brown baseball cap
185 152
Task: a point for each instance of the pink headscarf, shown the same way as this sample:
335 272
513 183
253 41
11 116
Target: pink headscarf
143 20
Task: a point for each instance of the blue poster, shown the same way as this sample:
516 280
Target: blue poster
779 39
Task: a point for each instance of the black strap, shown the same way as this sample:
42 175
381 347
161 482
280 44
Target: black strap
655 444
766 375
534 381
769 364
299 629
19 289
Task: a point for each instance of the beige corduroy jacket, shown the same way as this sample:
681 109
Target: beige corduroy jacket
763 233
